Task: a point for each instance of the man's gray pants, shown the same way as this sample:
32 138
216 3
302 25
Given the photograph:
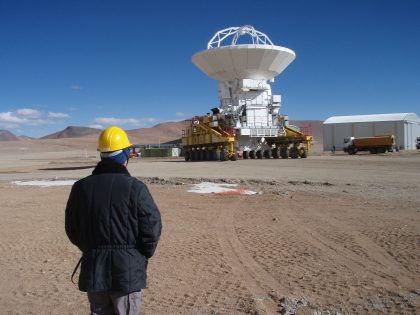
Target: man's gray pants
114 303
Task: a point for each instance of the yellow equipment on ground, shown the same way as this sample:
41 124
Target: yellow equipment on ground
208 138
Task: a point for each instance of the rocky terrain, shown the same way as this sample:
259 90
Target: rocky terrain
331 234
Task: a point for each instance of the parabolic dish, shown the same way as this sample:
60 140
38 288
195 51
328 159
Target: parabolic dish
258 62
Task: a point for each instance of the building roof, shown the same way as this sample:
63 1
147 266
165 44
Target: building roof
412 117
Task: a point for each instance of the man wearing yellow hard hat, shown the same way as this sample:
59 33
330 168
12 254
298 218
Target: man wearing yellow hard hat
112 218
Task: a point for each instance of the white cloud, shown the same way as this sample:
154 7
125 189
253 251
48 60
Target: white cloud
124 121
28 117
8 125
180 114
76 87
28 112
117 121
96 126
58 115
10 117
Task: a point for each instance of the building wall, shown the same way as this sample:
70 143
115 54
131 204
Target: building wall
411 132
334 134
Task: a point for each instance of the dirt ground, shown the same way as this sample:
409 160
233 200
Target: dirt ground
332 234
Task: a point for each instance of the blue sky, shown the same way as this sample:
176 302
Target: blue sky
89 63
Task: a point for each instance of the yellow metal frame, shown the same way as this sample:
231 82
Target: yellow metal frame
201 134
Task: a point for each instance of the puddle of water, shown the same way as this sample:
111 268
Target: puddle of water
218 188
44 183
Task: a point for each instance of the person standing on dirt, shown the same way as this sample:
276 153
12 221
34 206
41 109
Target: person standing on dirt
112 218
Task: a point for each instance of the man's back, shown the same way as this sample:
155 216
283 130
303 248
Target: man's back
114 221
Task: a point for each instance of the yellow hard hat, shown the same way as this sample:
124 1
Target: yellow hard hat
113 139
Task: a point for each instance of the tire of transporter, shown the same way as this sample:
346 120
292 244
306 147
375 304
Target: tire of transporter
223 155
294 153
234 157
211 155
267 154
187 155
259 154
245 155
216 155
284 153
252 154
275 153
302 153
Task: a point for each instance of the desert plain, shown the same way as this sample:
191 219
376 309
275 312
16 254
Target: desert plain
330 234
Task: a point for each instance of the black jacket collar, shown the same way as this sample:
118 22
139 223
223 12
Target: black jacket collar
110 167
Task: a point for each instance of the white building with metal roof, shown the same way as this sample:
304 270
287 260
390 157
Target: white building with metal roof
404 126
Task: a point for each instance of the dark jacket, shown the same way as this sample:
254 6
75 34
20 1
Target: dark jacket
112 218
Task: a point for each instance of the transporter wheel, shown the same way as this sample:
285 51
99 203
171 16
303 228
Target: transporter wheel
252 154
245 155
234 157
294 153
216 155
267 154
223 155
187 155
303 153
193 155
259 154
210 154
284 153
203 155
275 153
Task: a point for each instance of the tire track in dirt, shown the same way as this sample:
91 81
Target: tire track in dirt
379 264
264 288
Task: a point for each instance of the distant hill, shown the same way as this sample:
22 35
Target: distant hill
314 127
25 138
7 136
159 133
73 132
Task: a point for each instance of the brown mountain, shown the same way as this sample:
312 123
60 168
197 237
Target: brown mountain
7 136
73 132
160 133
312 127
25 138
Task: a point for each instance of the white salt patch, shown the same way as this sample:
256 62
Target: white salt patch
45 183
209 188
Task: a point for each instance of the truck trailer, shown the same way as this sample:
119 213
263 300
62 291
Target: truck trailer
377 144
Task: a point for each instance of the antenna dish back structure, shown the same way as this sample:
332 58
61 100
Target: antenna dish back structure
225 59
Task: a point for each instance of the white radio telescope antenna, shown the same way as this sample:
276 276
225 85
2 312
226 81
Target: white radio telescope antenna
257 37
226 60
